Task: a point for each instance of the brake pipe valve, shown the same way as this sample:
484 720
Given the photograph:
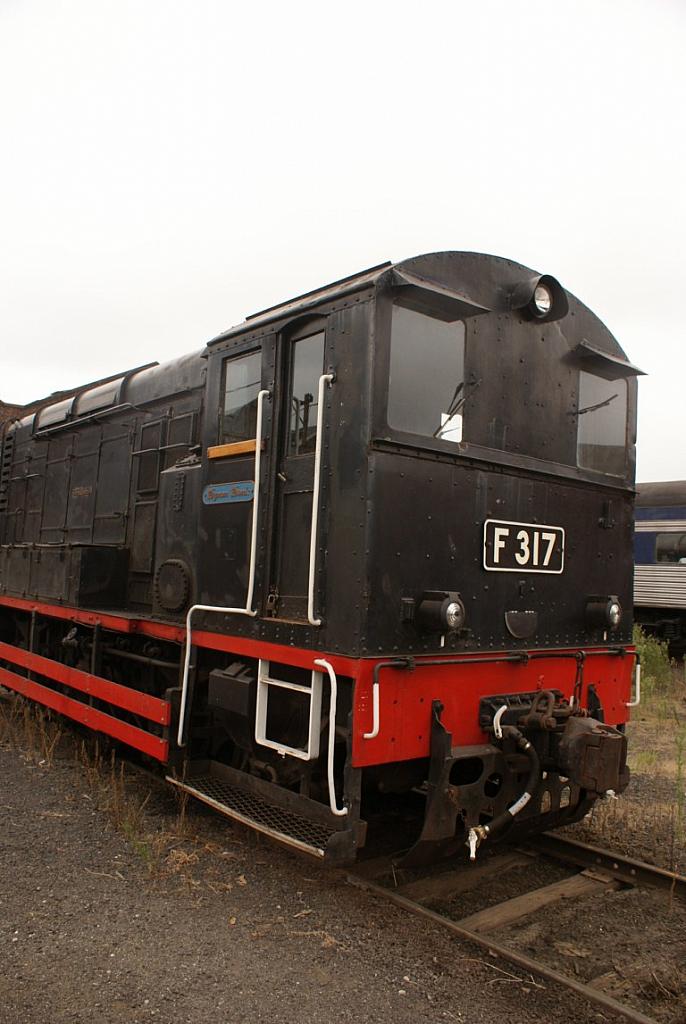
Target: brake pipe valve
479 833
475 838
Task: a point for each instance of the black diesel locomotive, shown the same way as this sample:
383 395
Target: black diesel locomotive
370 549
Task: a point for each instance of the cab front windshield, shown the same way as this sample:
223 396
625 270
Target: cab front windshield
443 388
426 394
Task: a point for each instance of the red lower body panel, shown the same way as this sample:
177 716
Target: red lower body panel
153 708
155 746
128 699
236 645
141 704
406 697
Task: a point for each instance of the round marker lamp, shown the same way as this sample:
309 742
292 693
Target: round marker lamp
603 612
440 611
542 301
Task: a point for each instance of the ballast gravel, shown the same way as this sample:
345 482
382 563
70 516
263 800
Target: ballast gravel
97 925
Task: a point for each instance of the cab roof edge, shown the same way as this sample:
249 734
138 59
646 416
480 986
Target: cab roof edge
305 300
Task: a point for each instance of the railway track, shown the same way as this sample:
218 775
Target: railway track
594 871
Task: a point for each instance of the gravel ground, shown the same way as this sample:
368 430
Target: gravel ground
117 906
170 920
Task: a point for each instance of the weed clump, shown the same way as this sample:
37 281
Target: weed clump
656 669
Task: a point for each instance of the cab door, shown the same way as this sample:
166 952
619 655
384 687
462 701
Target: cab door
229 493
303 365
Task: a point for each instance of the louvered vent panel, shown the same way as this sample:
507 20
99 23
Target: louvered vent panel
5 470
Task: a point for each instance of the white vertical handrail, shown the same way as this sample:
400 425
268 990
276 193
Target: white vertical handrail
248 609
376 720
335 809
326 378
637 687
262 395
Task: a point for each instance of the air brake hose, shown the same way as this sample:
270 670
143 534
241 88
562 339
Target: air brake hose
481 832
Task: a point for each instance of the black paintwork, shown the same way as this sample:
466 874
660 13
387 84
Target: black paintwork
398 515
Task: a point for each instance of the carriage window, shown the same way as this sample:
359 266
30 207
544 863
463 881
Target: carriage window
671 547
307 368
601 432
242 381
426 390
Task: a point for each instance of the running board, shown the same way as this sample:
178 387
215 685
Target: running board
295 820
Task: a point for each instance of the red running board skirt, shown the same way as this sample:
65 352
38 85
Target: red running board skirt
152 708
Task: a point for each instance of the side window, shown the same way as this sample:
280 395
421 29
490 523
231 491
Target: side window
307 364
180 437
601 417
671 547
148 456
240 387
426 388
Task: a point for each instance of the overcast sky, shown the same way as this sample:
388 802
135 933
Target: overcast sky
169 167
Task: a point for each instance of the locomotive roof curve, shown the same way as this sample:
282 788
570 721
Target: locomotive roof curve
485 281
136 387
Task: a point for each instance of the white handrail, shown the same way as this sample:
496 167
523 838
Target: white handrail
335 809
262 395
376 718
326 378
637 687
248 609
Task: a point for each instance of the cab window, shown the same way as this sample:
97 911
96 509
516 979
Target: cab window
426 390
306 369
601 424
240 387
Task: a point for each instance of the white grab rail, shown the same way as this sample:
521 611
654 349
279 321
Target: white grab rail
335 809
326 378
376 719
248 609
637 687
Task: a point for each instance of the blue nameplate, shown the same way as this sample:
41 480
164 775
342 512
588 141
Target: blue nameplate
220 494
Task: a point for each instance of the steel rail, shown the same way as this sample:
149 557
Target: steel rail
626 869
571 851
595 996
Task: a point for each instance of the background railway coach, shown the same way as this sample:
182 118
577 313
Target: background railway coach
367 551
660 573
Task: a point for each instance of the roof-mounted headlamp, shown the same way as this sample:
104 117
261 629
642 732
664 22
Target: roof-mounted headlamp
540 298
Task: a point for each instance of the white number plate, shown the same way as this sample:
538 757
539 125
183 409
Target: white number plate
523 547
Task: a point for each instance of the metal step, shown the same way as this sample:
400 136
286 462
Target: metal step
263 806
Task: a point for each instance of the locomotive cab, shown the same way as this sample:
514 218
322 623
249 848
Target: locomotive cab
448 452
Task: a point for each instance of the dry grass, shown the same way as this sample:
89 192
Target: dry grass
31 730
648 821
165 841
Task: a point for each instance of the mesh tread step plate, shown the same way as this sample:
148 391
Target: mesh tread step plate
253 810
